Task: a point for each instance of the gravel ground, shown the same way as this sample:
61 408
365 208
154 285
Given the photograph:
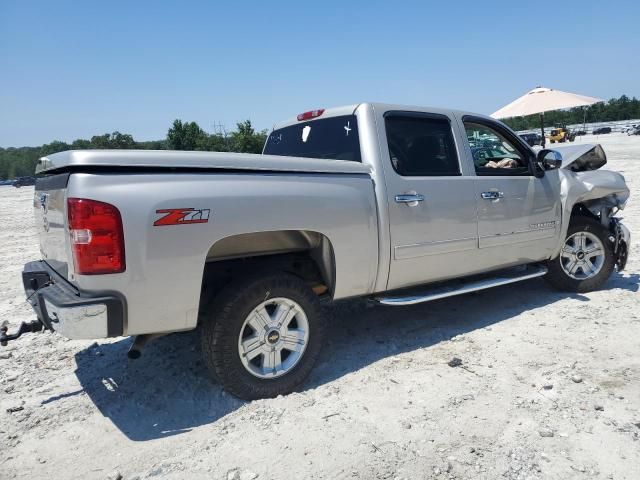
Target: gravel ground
549 387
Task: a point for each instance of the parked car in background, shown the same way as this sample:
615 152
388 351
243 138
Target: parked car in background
24 181
6 182
580 133
531 138
634 131
601 130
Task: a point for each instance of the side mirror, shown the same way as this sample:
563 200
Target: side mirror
549 159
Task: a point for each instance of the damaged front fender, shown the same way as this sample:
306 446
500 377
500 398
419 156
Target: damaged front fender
586 190
601 194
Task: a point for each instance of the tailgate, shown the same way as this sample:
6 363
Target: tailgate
49 204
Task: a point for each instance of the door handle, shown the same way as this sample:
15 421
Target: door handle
411 199
492 195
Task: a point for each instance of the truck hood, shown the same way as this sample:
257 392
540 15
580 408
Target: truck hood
169 159
582 157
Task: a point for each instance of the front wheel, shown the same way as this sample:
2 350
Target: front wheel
586 259
263 335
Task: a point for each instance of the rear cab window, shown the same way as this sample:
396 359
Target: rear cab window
333 138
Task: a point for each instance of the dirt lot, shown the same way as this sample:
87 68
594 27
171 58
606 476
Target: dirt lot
550 388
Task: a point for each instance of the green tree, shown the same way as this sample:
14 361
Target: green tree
186 136
53 147
121 141
80 144
100 141
246 139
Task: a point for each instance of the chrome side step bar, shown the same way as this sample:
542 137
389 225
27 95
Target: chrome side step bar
449 290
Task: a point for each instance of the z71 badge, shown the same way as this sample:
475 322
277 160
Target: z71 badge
181 216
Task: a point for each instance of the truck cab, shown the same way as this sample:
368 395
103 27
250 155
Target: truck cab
459 191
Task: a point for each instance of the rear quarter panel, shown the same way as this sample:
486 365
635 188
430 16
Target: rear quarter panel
164 264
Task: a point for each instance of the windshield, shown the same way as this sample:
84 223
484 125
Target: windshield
334 138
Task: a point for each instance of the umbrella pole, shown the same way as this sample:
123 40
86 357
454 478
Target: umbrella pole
544 141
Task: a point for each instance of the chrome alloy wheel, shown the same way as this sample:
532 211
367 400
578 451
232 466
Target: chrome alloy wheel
273 338
582 256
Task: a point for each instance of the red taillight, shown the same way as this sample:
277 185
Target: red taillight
310 114
97 240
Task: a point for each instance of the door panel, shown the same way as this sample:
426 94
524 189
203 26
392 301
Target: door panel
434 236
518 213
431 240
528 212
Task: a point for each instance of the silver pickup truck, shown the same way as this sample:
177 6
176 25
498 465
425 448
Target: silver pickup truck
399 204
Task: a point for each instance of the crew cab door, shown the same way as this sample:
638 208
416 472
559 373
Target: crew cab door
431 199
518 213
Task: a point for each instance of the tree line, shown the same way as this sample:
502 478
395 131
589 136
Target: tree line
21 161
17 162
623 108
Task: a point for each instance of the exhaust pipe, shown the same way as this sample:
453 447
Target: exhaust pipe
135 351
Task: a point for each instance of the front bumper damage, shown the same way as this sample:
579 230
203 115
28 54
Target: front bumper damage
63 308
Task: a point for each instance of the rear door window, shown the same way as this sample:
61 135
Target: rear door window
421 145
334 138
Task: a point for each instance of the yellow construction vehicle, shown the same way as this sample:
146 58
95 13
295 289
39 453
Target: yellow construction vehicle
561 134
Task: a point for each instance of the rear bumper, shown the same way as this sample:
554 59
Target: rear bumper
72 313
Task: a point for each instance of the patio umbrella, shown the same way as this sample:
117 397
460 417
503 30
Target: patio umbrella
540 100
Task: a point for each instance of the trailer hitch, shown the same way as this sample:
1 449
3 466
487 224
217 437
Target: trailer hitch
25 327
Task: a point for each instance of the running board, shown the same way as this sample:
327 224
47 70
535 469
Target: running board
504 277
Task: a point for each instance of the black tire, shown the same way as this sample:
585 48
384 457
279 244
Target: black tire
562 281
553 141
224 321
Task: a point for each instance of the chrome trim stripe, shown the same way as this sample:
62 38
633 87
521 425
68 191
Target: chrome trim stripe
403 252
516 237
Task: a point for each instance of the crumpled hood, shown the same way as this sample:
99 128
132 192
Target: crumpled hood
591 185
582 157
598 190
581 179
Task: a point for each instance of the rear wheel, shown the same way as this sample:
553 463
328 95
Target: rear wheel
262 336
586 259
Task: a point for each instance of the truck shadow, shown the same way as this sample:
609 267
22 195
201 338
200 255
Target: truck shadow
169 391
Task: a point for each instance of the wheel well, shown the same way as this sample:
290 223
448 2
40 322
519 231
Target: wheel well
580 209
308 255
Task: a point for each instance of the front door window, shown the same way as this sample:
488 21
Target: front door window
493 153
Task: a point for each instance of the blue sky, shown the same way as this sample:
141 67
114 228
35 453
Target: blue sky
75 69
